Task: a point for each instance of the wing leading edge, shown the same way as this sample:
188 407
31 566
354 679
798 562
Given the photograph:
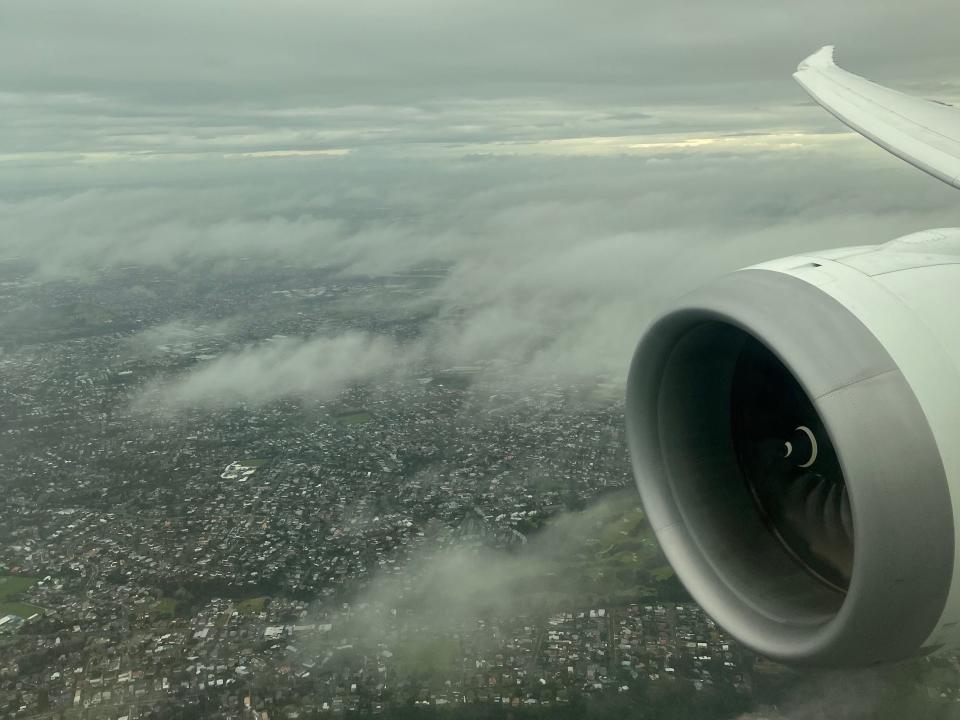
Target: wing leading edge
926 134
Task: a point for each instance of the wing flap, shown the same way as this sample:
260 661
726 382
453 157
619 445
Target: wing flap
924 133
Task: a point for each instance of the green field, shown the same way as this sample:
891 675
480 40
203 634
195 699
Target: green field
353 417
165 607
251 605
24 610
427 656
10 587
13 584
604 555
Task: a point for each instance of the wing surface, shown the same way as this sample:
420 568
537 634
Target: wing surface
924 133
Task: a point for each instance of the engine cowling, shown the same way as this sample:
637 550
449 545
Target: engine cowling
794 429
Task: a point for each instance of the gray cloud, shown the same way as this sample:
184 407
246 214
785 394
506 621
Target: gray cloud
555 263
447 582
181 336
180 52
107 81
851 695
316 369
573 165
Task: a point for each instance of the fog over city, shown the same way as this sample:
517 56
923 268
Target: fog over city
570 168
557 262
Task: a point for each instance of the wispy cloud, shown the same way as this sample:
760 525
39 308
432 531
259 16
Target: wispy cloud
333 152
281 368
551 264
445 583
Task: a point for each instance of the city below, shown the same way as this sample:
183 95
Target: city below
407 544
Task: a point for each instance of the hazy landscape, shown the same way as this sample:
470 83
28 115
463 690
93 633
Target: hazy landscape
314 329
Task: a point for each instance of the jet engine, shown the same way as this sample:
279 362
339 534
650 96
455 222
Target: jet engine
794 429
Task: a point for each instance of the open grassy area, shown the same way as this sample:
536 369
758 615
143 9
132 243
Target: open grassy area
12 584
10 587
165 607
251 606
353 417
428 656
614 559
24 610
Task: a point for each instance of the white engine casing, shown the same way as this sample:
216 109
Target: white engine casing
872 334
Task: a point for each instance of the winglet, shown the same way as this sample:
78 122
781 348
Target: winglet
821 59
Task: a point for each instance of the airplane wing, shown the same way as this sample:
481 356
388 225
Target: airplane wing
924 133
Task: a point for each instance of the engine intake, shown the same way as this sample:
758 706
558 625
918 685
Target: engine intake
788 468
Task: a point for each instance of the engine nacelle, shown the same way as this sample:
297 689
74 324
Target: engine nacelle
795 435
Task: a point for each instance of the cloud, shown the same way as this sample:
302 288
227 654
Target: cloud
449 580
103 83
333 152
182 336
226 52
552 265
76 233
281 368
571 168
848 695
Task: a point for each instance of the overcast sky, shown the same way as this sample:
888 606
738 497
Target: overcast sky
109 78
576 164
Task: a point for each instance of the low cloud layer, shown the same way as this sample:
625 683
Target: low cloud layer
552 264
182 336
570 169
447 583
852 695
281 368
